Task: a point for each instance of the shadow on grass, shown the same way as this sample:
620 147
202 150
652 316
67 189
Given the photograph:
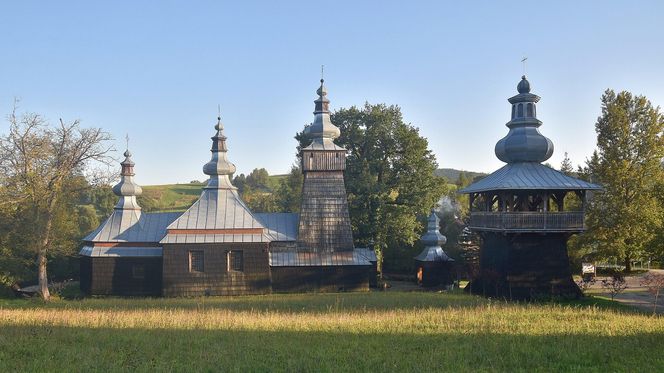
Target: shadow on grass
33 348
292 303
306 303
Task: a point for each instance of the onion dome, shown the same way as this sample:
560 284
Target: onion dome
219 168
432 241
127 189
524 142
322 127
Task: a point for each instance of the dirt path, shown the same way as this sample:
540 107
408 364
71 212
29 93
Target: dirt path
635 295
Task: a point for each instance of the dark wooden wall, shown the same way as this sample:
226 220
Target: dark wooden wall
321 279
435 273
525 266
324 219
114 276
216 279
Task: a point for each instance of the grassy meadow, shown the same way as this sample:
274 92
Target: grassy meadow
391 331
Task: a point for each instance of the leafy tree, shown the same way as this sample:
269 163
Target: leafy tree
623 220
290 191
260 201
389 179
463 180
240 182
40 168
258 179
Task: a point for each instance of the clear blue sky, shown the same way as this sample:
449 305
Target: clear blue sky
158 69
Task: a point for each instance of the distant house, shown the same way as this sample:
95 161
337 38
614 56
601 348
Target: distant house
220 247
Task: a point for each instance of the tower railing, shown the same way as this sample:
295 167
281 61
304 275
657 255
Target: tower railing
569 221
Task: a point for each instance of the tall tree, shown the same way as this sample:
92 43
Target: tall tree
258 179
39 164
624 219
389 179
566 166
290 191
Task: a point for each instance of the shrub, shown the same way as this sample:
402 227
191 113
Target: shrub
69 290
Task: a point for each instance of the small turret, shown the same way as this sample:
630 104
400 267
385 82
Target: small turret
432 241
127 189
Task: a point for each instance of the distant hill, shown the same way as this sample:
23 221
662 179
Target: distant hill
452 174
178 197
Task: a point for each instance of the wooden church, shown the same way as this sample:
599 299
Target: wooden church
220 247
525 212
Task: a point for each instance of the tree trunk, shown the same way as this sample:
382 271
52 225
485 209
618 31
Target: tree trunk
628 264
43 250
43 278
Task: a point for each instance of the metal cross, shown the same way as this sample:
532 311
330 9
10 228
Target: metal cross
523 60
127 138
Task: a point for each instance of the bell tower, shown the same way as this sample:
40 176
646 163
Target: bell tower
324 220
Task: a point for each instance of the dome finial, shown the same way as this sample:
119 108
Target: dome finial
524 85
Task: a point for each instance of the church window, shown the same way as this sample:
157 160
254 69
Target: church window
529 110
196 261
138 271
520 111
235 261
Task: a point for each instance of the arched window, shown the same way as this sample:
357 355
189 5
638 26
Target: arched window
520 111
529 110
513 111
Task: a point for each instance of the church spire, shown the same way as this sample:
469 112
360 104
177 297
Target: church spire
524 142
219 168
127 189
322 127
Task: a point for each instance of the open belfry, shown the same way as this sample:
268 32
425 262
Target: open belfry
525 212
220 247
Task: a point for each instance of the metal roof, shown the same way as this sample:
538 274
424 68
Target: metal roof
370 254
313 259
215 238
528 176
433 254
282 226
323 144
217 209
124 251
132 226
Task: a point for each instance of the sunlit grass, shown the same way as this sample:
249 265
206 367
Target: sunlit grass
370 331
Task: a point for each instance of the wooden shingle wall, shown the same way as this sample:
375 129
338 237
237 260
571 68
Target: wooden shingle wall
216 279
324 219
115 275
320 279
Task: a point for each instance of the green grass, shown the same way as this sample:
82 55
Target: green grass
389 331
179 197
172 197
